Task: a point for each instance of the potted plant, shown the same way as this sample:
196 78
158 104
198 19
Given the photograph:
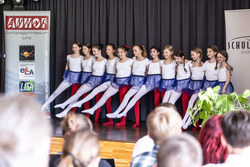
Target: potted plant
210 102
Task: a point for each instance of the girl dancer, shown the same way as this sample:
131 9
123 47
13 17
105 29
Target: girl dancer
153 82
183 76
196 83
95 79
168 72
224 75
71 75
211 68
140 62
109 76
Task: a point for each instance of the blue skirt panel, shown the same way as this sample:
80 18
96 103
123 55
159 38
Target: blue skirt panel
71 77
167 84
120 82
229 89
195 85
84 77
153 81
182 85
208 84
136 82
108 77
95 81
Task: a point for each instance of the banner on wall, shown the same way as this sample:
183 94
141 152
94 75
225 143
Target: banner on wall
238 47
27 38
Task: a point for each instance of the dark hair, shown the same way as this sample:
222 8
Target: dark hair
98 46
224 54
112 46
180 54
78 44
210 139
124 48
155 48
142 48
215 49
88 45
236 128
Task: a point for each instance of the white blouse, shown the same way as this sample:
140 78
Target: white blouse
210 72
111 66
87 64
154 68
181 73
139 67
74 63
123 69
168 70
197 73
99 67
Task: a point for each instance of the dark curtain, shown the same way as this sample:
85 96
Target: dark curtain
182 23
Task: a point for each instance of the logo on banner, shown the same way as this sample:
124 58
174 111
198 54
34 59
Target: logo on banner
27 71
240 43
27 88
26 52
27 23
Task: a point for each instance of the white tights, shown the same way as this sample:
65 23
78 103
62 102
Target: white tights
82 90
109 92
144 90
187 119
174 97
63 86
166 96
90 96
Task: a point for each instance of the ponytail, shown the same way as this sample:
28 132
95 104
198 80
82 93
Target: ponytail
142 48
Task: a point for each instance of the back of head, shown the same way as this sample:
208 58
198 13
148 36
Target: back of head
180 151
163 123
81 149
236 128
210 139
73 122
24 133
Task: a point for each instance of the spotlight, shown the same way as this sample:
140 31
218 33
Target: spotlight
35 1
2 2
18 5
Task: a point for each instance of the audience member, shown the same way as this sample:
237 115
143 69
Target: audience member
73 122
213 150
146 143
24 133
180 151
81 149
236 136
162 123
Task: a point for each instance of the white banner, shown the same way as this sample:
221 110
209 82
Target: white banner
238 47
27 38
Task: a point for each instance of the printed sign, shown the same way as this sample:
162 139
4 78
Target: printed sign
26 71
27 88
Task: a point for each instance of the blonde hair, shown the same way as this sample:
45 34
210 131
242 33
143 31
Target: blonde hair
163 123
24 133
143 49
73 122
80 149
198 51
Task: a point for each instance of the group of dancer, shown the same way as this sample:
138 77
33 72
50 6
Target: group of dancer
135 77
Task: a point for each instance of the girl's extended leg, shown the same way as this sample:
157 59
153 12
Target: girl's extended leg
157 94
110 92
97 90
174 97
125 100
109 111
187 119
132 102
83 89
75 87
167 96
63 86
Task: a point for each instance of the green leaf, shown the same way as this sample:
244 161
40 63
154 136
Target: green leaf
246 93
242 100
